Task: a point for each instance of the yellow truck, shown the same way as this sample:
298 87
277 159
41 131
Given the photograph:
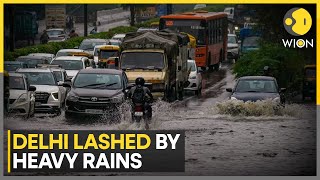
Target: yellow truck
108 55
160 58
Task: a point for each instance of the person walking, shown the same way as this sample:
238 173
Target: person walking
44 37
73 34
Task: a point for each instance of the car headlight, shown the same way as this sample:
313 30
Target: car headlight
55 95
72 97
117 99
277 100
22 98
233 98
193 77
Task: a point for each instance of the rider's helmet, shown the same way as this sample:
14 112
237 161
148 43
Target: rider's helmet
266 70
140 81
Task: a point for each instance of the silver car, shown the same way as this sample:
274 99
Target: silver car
22 96
49 95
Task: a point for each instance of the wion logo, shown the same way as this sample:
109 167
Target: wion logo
297 22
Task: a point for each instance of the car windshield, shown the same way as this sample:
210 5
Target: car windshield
12 67
256 85
193 27
32 63
310 73
58 75
40 78
69 64
107 54
89 45
95 53
251 42
17 83
115 42
142 60
97 81
232 40
63 53
192 66
54 32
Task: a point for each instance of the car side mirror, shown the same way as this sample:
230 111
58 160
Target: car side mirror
66 85
60 83
283 90
32 88
229 89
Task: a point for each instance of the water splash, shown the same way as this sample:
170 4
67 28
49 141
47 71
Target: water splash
267 108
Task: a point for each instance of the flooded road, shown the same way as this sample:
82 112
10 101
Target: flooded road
218 143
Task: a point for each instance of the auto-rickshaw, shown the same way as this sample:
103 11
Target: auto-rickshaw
309 82
154 25
107 56
6 90
85 54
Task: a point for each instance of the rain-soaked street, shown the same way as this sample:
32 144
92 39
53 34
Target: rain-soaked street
218 143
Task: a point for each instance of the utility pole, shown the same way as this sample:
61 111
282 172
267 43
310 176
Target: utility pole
85 15
132 15
11 26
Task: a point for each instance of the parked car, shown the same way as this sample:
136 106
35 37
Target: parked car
12 66
96 92
195 78
254 88
89 44
32 61
233 47
142 29
49 95
57 35
119 37
67 52
114 42
22 96
199 6
49 56
72 64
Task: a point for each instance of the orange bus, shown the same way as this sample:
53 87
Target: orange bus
210 30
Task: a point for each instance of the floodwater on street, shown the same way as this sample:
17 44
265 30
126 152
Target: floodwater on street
217 143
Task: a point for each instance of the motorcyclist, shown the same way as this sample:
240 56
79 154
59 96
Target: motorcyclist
267 71
133 95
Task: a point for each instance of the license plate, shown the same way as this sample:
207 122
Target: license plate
94 111
138 113
38 104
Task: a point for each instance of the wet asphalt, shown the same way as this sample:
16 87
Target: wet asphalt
216 144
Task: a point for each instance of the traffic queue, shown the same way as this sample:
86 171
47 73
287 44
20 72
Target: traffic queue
97 77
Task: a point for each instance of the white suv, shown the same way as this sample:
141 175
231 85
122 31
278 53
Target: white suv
195 78
49 95
22 98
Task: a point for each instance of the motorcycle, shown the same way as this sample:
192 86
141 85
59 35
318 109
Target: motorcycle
142 111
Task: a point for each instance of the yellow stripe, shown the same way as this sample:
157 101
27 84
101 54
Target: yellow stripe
318 52
1 38
9 151
157 2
